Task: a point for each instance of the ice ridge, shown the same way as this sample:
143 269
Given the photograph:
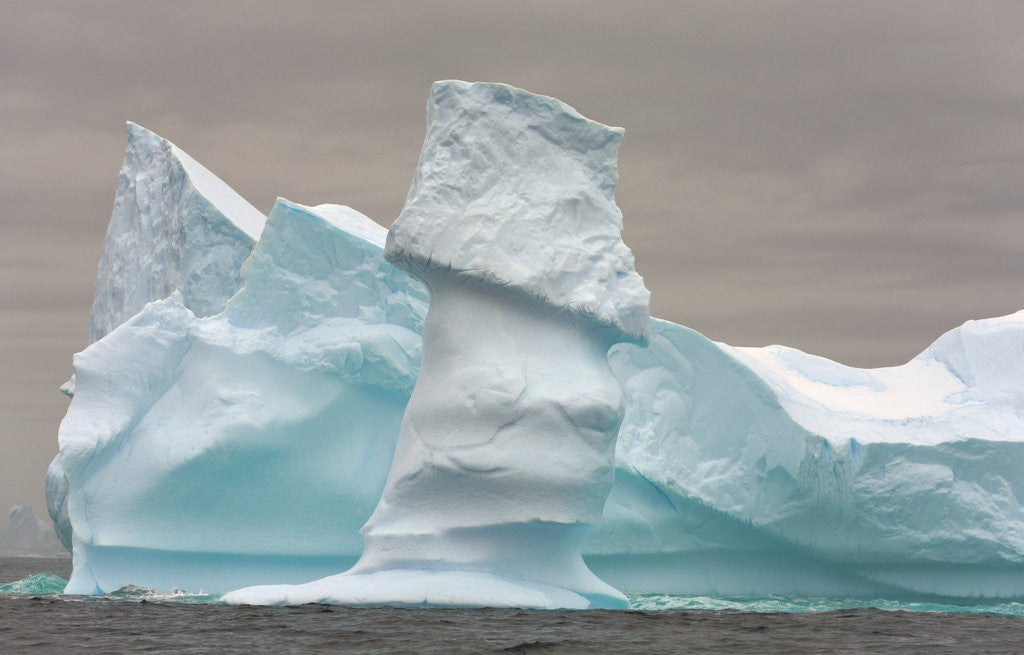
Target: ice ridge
175 226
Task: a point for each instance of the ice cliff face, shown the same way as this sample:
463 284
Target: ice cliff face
512 225
57 501
228 433
175 226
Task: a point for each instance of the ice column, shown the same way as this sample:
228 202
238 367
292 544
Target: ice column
506 451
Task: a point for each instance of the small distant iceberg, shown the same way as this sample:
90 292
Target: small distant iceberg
27 536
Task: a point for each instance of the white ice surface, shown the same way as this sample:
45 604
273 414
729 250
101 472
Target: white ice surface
518 189
756 471
196 450
968 383
414 588
175 226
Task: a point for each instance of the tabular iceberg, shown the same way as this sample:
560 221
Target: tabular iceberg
506 451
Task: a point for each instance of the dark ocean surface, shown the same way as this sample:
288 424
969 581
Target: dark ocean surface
34 619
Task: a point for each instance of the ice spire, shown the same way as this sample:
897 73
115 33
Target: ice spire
175 226
506 451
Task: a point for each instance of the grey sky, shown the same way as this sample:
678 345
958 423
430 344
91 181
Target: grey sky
842 177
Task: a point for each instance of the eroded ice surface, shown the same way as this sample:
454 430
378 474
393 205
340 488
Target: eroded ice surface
720 490
175 226
506 451
227 435
768 470
518 189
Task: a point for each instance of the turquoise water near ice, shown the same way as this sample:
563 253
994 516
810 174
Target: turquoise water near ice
649 602
46 584
40 584
36 618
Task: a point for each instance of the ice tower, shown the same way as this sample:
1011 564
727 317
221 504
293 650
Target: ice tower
506 451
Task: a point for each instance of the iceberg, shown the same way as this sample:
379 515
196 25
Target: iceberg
27 536
250 446
518 190
511 223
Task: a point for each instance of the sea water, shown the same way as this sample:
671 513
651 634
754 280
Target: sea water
35 617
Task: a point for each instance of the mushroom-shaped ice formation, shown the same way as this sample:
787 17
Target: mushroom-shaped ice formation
506 451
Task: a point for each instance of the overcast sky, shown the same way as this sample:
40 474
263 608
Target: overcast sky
842 177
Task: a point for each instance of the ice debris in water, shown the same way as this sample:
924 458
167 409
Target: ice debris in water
788 604
39 584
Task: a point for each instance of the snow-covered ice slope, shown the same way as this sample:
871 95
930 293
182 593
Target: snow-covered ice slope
768 470
175 226
506 451
970 381
205 453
